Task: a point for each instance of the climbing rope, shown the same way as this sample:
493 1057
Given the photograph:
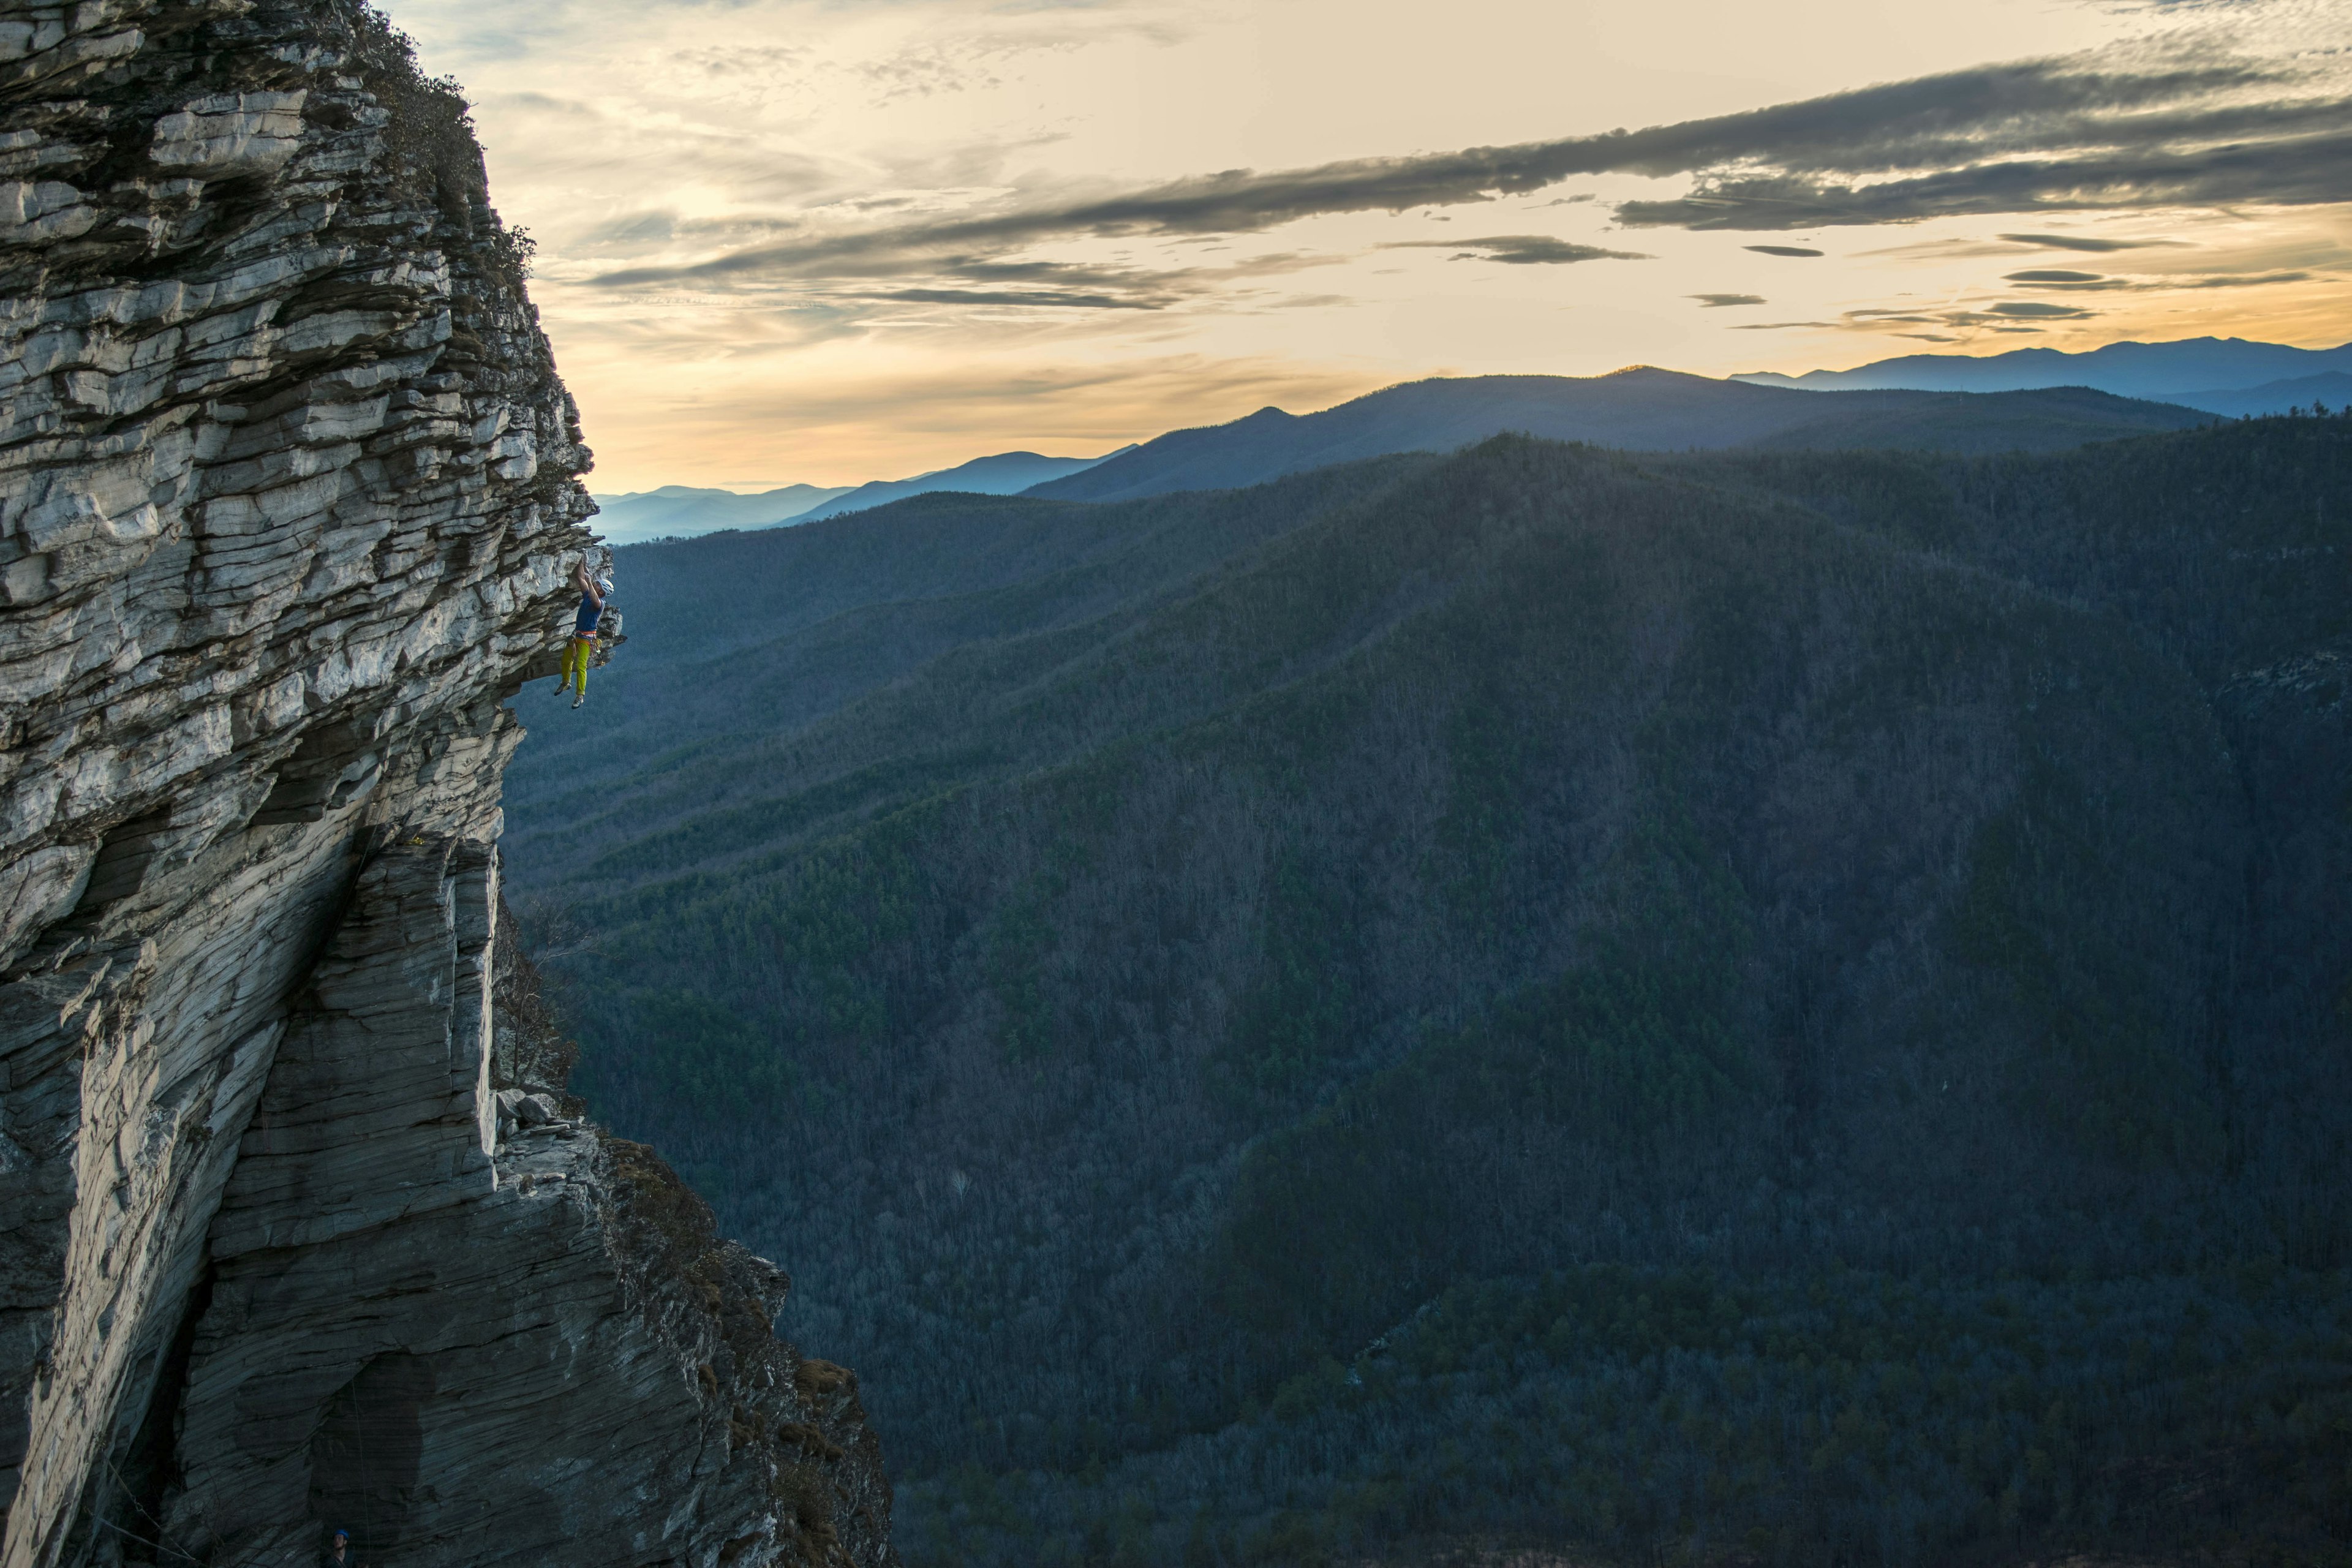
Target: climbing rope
157 1524
151 1545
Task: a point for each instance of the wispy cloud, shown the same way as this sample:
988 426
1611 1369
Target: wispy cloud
2299 169
1521 249
1953 324
1718 301
2070 282
1955 249
2108 131
2090 244
1046 298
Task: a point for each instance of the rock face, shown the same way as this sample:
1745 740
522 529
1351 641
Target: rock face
298 1228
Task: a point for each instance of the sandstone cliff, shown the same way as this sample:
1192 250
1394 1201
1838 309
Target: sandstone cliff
297 1227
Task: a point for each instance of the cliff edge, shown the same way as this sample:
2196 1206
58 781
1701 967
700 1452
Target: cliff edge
297 1229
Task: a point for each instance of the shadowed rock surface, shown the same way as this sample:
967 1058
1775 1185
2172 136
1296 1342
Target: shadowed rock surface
298 1227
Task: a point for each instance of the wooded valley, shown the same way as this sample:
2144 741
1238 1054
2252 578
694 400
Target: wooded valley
1778 1007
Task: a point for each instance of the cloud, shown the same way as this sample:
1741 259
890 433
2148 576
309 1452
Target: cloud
543 103
2129 128
2085 242
2060 280
2309 170
764 61
1521 249
2050 134
1948 325
1954 249
1037 297
2247 280
929 69
973 60
984 280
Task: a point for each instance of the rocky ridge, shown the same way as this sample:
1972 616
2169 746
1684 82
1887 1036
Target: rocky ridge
297 1226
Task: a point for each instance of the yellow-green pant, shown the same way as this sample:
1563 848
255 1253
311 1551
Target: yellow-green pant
575 662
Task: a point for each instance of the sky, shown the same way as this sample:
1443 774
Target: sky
825 241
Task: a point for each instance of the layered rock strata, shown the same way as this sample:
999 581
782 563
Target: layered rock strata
295 1226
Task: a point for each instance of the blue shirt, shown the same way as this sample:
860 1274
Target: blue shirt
590 610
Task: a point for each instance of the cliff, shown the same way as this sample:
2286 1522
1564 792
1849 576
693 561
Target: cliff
297 1227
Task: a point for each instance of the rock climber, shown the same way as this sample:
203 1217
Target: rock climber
582 641
337 1555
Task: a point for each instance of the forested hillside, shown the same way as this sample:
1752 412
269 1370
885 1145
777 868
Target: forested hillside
1784 1007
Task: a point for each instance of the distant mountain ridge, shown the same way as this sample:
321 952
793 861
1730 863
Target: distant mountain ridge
1642 408
2183 370
684 510
1002 474
2027 400
2271 397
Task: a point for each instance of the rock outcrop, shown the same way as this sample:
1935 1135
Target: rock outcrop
298 1228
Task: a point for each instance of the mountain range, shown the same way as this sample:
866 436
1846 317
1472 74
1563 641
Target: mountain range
2222 375
1639 409
1004 474
1781 998
682 512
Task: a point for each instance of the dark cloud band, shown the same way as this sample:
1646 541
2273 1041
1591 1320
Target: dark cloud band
2088 244
1521 249
2297 171
2051 135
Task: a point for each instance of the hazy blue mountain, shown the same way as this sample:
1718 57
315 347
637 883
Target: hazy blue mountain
1004 474
1641 408
2164 370
685 511
2335 389
682 512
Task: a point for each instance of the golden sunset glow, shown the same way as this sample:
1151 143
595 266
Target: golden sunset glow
784 241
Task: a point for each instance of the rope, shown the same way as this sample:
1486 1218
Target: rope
157 1523
367 1471
368 1505
151 1545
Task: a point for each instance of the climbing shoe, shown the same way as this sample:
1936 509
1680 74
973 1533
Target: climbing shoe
579 699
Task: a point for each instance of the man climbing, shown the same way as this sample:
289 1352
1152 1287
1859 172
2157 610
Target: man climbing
337 1555
582 641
